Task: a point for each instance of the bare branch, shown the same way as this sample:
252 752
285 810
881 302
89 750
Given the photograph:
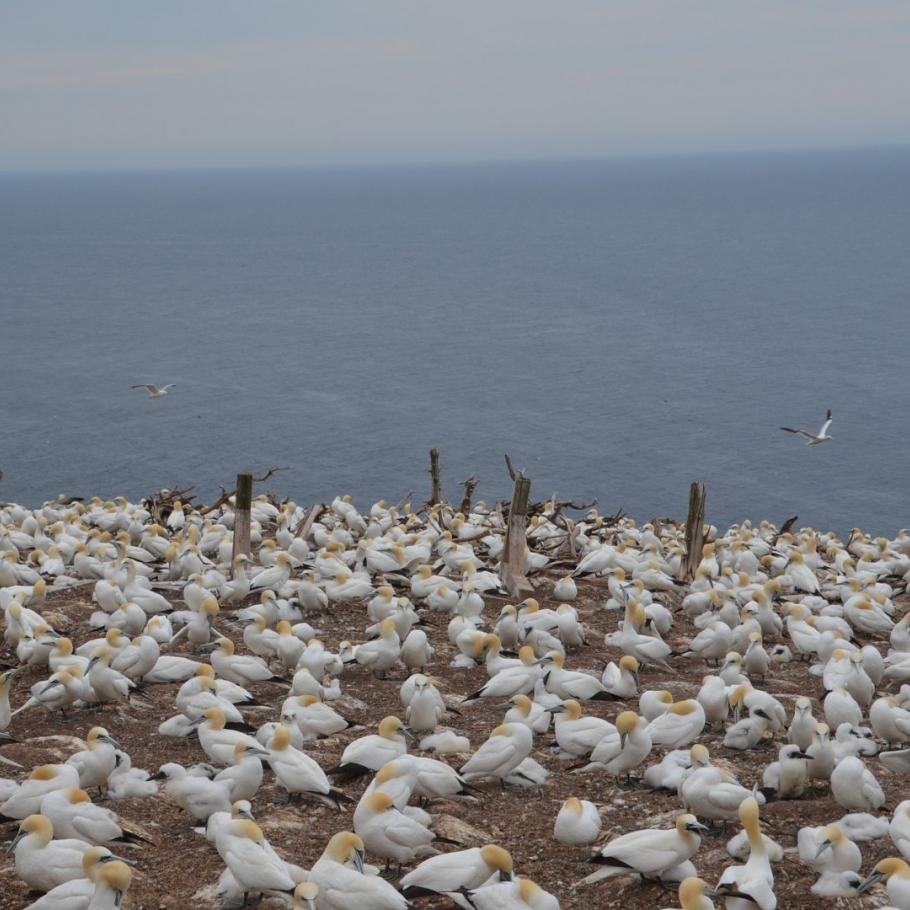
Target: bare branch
268 474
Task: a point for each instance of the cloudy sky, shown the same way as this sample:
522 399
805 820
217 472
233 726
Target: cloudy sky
171 83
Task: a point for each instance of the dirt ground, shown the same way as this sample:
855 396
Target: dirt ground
180 867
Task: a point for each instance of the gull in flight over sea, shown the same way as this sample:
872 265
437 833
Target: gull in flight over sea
812 439
153 390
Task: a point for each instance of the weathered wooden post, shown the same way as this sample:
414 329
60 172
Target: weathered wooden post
515 553
436 492
243 499
470 485
695 530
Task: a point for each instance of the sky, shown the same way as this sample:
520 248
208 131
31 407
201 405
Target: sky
99 84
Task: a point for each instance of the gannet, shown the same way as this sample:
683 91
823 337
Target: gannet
752 883
342 887
507 746
463 870
814 439
576 733
577 822
854 786
679 726
199 796
649 852
622 753
251 859
369 753
895 873
42 862
296 772
390 833
520 894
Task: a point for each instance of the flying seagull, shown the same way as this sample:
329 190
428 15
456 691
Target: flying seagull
822 433
153 390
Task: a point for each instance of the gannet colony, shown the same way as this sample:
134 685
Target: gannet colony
360 715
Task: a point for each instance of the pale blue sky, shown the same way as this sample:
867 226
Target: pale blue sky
171 83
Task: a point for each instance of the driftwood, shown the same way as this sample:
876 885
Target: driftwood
695 530
242 505
436 491
514 558
470 485
306 523
161 504
227 495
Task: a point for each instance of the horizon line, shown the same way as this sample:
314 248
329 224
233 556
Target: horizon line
101 170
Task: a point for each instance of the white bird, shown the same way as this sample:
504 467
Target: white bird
342 886
251 859
576 733
507 747
577 822
199 796
296 772
682 723
649 852
26 799
752 884
788 775
515 895
390 833
77 893
814 439
42 862
369 753
622 753
74 815
450 873
153 390
854 786
895 873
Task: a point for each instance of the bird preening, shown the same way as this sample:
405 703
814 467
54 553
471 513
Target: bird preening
814 439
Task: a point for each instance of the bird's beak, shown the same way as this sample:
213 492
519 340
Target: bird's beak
110 741
14 841
622 740
697 826
822 847
557 709
358 860
505 876
803 755
50 685
211 646
91 664
409 734
504 706
158 775
868 882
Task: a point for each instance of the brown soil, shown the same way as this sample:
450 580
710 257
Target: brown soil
175 871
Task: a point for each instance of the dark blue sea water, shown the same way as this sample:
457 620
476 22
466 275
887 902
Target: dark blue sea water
620 327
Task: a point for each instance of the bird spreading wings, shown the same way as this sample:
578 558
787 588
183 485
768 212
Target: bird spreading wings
153 390
814 440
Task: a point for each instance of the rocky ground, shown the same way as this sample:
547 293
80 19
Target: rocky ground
179 868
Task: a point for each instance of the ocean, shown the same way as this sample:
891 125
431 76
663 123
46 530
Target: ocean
619 327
